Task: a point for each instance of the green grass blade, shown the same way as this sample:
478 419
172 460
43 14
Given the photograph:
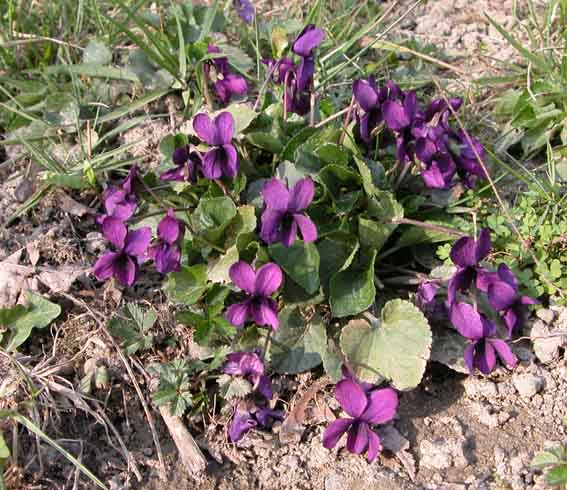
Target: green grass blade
43 159
90 70
30 203
208 22
133 106
182 54
538 60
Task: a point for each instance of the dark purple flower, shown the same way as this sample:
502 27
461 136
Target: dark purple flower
259 286
243 420
439 171
187 162
502 292
250 366
365 407
466 254
484 346
284 213
166 254
307 40
226 82
245 10
221 160
130 249
120 201
465 151
425 297
387 104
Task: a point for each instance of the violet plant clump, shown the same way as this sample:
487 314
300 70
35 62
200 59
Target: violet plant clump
241 247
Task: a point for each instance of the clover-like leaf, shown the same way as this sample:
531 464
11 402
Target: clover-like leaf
131 326
396 347
231 387
297 344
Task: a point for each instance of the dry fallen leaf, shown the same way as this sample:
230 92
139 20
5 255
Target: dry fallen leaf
61 279
33 252
292 427
69 205
13 279
398 445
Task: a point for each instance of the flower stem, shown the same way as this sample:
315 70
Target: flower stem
336 115
266 344
429 226
265 85
346 122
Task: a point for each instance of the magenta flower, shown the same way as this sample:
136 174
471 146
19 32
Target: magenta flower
365 406
221 160
503 296
226 82
284 213
438 171
425 297
468 167
244 420
303 46
187 162
483 348
249 366
166 254
466 254
388 104
130 247
120 201
259 286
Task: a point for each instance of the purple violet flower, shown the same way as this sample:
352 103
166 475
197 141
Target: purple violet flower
259 286
468 167
284 213
120 202
243 420
503 296
166 254
387 104
221 160
250 366
245 10
484 346
466 254
130 247
226 82
187 162
425 296
307 40
439 171
365 406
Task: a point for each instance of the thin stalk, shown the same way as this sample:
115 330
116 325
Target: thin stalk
429 226
327 120
264 86
348 117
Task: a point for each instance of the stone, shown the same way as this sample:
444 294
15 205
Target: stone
527 384
546 347
546 315
477 387
441 454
